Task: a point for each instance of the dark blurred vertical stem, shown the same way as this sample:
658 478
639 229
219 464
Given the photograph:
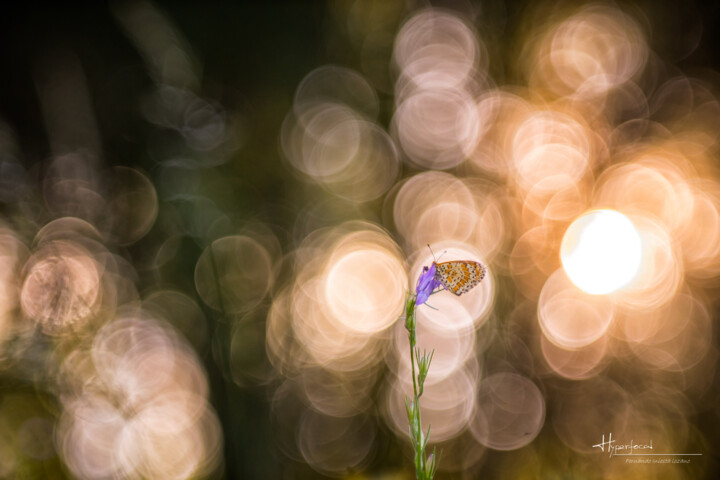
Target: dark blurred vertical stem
217 378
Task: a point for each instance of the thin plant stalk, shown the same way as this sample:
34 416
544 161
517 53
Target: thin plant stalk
425 467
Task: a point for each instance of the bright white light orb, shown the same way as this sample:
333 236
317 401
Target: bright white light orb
601 251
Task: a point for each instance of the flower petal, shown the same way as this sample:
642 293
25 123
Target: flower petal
426 284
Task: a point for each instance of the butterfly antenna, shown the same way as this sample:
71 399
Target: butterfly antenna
433 253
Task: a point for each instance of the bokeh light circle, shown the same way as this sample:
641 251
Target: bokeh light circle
570 317
234 273
510 413
601 251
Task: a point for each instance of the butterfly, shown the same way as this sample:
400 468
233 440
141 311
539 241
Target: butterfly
457 276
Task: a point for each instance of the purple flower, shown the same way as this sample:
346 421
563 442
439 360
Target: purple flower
426 285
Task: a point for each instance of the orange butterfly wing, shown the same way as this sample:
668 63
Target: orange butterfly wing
459 276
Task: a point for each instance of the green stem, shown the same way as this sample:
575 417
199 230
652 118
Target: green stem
412 364
416 428
416 431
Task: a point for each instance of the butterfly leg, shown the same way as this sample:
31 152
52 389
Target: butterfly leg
439 289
